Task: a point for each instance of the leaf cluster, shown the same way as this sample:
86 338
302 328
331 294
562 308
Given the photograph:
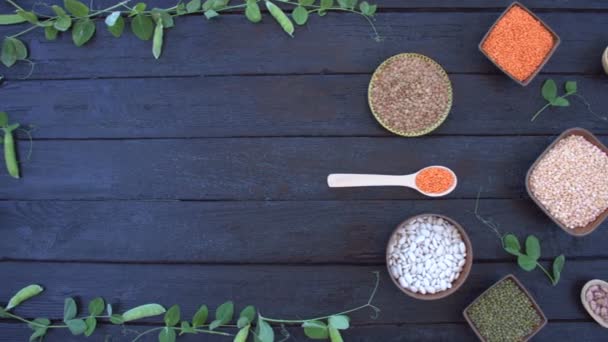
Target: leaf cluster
549 92
528 259
150 24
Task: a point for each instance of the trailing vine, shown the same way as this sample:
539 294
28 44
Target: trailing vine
150 24
250 323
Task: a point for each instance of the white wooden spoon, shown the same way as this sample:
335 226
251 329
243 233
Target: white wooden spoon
343 180
586 304
605 60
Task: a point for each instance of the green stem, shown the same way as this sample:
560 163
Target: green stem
15 5
540 111
108 9
547 273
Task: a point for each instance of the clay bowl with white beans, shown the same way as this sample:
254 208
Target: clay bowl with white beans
429 256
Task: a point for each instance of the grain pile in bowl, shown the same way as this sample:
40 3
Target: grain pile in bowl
597 297
504 313
571 181
410 94
426 255
519 43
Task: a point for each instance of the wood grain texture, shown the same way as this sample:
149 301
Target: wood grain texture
265 168
554 331
283 291
299 106
352 232
227 46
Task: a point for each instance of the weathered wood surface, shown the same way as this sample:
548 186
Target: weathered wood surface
266 168
317 232
311 105
284 291
232 45
554 331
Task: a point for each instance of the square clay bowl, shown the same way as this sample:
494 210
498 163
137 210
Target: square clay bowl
580 231
525 291
556 42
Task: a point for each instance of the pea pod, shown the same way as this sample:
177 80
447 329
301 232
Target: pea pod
10 156
23 295
280 17
143 311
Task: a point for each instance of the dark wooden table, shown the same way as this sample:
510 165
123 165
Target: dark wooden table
201 177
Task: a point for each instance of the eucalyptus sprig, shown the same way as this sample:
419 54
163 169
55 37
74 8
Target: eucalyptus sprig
549 92
250 324
151 24
528 258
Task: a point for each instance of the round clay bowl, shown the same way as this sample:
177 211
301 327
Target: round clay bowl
597 318
456 284
605 60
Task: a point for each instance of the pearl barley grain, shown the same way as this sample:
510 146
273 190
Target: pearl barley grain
570 181
430 253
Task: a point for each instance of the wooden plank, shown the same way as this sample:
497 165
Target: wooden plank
554 331
340 232
206 107
384 5
195 47
265 168
310 291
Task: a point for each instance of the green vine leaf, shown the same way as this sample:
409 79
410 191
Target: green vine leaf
200 317
39 321
77 8
264 332
112 18
50 33
558 266
248 314
63 21
96 306
210 14
76 326
340 322
166 335
549 90
91 323
138 8
142 26
83 31
533 247
8 55
317 330
186 328
511 244
571 87
172 316
527 263
118 27
69 309
300 15
20 49
157 42
28 16
252 11
40 328
367 9
223 315
306 2
116 319
242 335
560 102
193 6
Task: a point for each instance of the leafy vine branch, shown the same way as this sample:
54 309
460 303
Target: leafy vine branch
151 24
249 325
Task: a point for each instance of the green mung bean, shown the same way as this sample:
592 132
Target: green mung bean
504 313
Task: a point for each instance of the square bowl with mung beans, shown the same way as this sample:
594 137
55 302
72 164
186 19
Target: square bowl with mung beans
505 312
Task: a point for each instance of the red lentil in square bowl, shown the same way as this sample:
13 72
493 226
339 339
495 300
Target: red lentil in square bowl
519 43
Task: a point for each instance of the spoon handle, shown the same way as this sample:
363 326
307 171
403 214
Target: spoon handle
342 180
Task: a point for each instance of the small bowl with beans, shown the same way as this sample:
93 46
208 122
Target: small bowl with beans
569 184
429 256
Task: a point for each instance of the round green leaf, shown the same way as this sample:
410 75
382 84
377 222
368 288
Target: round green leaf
117 28
29 16
77 8
166 335
69 309
549 90
532 247
200 317
142 26
63 23
264 331
193 6
40 323
252 12
83 31
20 49
242 335
9 54
225 312
248 312
511 244
76 326
306 2
172 316
558 266
300 15
316 330
58 10
560 102
340 322
50 33
96 306
116 319
112 18
91 323
526 263
571 87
